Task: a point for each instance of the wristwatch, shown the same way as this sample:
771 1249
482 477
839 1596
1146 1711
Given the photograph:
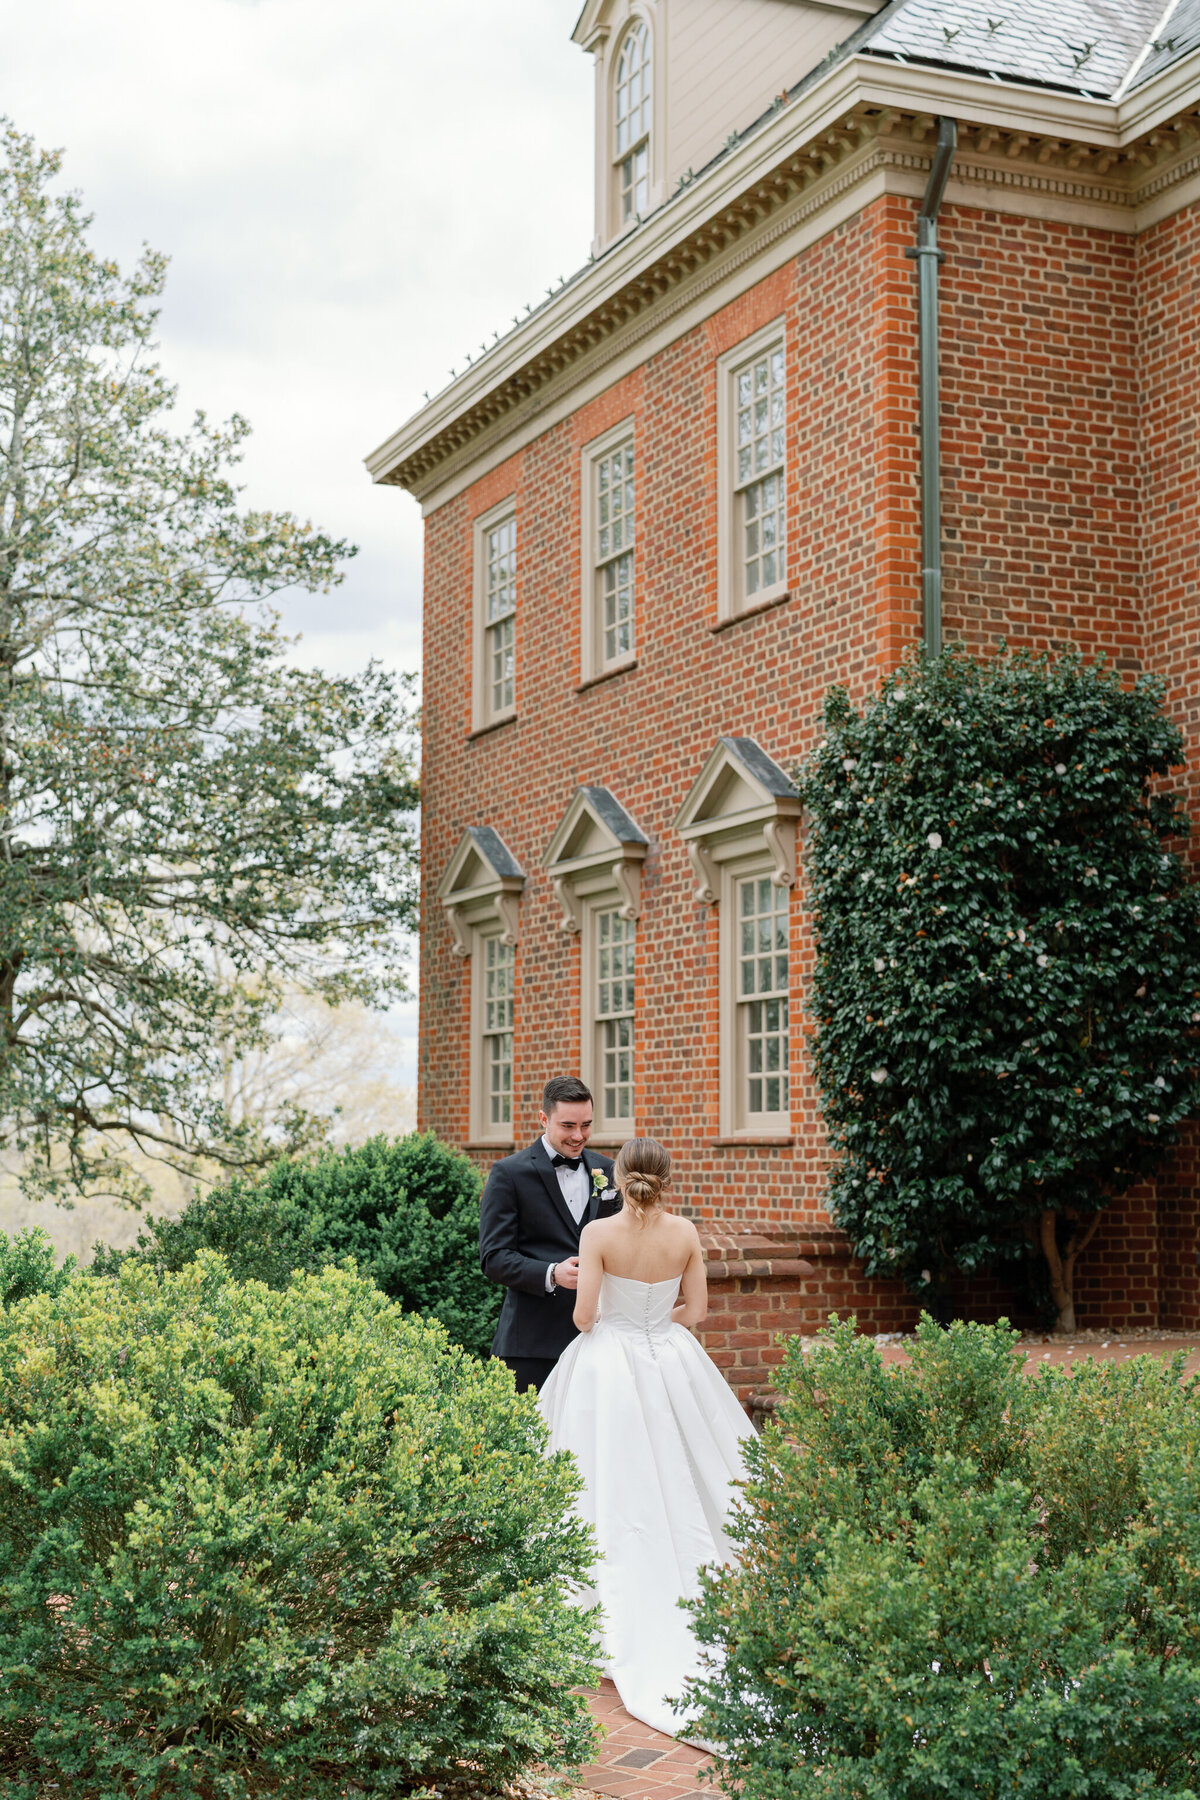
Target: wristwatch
553 1278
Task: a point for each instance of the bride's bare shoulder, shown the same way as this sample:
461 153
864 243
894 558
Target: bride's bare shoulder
597 1229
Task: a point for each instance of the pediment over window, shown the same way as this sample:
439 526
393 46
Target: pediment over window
596 17
483 881
741 800
597 846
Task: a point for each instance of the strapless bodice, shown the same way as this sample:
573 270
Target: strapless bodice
643 1306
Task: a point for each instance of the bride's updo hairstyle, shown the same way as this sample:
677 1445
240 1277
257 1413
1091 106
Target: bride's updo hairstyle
641 1171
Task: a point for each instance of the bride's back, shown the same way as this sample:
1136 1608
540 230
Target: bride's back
643 1242
655 1250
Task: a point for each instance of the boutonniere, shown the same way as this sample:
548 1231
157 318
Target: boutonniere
599 1180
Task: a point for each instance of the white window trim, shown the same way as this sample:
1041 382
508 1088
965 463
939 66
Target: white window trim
754 835
481 712
735 1122
605 877
731 602
636 24
611 899
482 1131
480 893
591 660
609 44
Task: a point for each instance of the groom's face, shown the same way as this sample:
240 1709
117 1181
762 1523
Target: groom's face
568 1127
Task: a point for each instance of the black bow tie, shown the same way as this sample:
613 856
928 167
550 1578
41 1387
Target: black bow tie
566 1162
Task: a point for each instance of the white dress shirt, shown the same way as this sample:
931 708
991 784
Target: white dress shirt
576 1188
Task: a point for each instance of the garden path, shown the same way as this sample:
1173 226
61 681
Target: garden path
638 1763
1116 1348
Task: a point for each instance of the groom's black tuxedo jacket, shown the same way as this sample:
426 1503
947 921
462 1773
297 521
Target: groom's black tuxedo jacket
524 1225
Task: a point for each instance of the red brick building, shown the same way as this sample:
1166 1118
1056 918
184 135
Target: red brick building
682 498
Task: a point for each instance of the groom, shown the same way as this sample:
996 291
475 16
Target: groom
534 1207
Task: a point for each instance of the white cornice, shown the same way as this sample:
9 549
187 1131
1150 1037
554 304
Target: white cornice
858 81
1161 99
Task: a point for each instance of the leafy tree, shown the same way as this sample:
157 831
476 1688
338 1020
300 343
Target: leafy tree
174 799
406 1209
959 1580
1008 959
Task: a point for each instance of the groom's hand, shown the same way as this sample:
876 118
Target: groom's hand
566 1274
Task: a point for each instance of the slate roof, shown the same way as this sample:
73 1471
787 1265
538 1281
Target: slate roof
763 767
492 846
1093 47
609 809
1177 34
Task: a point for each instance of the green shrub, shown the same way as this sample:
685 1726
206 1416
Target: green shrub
257 1542
406 1209
959 1581
27 1266
261 1235
1007 983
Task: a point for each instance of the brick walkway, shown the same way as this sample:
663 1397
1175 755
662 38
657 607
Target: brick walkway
638 1763
1116 1349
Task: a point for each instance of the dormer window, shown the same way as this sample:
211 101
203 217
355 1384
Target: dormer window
633 98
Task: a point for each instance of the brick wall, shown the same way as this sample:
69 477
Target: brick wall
1070 499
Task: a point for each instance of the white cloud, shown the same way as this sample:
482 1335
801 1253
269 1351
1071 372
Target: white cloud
352 197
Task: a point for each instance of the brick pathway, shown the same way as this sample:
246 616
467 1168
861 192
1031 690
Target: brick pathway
1116 1349
638 1763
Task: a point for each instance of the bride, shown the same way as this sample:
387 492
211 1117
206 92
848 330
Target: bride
656 1433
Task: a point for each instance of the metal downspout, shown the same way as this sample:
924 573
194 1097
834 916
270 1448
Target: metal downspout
928 256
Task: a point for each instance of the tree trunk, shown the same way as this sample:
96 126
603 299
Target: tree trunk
1061 1263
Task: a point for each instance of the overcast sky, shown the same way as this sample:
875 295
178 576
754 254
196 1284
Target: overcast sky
352 195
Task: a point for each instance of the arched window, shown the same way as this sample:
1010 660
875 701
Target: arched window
633 123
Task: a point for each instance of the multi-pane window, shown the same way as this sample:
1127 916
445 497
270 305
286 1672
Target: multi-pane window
614 1016
498 963
500 607
762 995
758 472
633 124
614 554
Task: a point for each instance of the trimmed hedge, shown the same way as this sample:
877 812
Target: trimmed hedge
406 1209
257 1542
963 1582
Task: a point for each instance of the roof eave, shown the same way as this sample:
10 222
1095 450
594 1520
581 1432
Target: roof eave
1160 98
856 80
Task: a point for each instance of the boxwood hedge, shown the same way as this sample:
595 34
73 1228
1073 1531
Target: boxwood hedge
962 1583
273 1542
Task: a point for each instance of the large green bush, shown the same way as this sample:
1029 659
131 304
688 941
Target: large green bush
962 1583
407 1210
1007 984
257 1542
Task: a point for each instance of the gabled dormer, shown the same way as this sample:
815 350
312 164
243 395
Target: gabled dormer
740 803
674 78
597 846
481 887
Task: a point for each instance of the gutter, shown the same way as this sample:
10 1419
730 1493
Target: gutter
928 256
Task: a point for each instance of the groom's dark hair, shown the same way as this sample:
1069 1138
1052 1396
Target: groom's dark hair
564 1090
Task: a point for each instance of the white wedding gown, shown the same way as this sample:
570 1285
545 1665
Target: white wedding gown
658 1438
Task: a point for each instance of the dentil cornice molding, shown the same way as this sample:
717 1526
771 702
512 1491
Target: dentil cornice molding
869 120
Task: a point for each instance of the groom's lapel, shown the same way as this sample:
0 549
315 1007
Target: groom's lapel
593 1205
545 1169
